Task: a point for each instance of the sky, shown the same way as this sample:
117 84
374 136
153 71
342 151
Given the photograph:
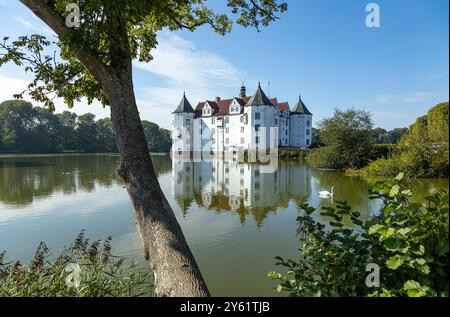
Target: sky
321 49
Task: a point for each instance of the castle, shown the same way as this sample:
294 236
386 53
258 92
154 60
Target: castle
240 123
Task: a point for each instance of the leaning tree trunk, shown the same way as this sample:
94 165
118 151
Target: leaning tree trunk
175 270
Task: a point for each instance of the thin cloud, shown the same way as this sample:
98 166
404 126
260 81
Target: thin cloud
181 67
33 26
403 98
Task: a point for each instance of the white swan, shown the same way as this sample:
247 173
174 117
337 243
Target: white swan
325 193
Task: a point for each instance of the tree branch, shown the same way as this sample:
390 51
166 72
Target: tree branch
267 13
44 9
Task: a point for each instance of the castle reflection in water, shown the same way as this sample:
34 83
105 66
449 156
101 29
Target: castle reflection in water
242 188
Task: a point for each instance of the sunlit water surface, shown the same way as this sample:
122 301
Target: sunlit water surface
235 217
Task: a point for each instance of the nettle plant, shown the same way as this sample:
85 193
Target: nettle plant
407 240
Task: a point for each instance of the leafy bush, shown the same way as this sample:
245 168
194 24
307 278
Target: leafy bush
421 153
409 242
85 270
347 139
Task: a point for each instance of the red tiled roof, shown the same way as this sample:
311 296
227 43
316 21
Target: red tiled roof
283 105
222 107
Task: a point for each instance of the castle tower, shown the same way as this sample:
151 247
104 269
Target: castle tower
300 125
182 128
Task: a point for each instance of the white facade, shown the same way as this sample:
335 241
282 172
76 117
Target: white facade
243 122
238 187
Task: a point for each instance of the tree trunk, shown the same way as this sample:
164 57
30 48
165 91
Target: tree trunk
175 271
171 261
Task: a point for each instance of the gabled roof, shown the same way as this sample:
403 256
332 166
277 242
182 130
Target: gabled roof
259 98
220 108
184 106
283 106
300 107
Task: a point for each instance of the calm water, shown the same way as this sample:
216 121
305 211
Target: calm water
236 218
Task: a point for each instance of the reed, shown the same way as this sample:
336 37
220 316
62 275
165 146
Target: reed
97 271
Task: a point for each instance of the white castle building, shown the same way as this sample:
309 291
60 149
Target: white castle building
240 123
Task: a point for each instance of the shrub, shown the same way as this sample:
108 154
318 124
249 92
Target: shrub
409 242
423 152
348 140
83 269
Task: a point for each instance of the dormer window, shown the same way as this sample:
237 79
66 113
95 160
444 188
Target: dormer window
234 109
207 110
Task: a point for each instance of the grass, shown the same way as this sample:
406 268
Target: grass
85 269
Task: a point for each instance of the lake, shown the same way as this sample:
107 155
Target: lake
236 218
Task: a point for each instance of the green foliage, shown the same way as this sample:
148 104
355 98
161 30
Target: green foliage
347 139
389 137
409 242
24 128
110 35
438 123
421 153
101 274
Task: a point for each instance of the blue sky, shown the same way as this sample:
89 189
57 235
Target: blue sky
321 49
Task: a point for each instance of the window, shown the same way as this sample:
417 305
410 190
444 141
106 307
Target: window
256 127
257 139
285 132
257 116
242 184
276 121
242 119
242 129
227 130
308 123
227 119
257 186
286 122
307 131
242 140
242 170
227 141
213 141
188 121
213 120
307 141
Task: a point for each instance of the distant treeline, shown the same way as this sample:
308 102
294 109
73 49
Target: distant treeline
28 129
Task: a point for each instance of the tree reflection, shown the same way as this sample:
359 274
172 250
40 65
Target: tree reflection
28 177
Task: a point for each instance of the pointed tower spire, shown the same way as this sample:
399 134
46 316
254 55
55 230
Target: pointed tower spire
184 106
300 107
259 98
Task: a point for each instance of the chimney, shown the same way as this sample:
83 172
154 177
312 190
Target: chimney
217 99
243 93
